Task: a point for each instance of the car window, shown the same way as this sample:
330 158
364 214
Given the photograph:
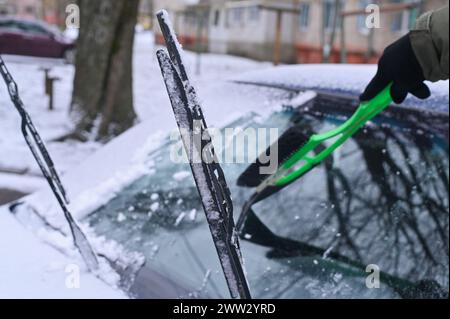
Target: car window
34 29
9 26
382 201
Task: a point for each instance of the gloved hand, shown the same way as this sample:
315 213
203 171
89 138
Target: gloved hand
399 65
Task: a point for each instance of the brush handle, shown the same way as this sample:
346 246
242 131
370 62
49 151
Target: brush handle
306 157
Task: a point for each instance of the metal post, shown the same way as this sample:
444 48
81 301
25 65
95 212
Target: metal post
343 47
370 46
199 42
278 33
49 88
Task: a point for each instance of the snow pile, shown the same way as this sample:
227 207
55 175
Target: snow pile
31 269
26 184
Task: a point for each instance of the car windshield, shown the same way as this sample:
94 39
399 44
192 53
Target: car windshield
382 202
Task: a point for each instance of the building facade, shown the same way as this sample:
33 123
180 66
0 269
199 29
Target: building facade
251 28
363 45
27 9
50 11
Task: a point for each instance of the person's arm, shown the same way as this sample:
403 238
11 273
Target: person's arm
429 40
419 56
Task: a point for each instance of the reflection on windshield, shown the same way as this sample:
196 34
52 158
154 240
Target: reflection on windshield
382 200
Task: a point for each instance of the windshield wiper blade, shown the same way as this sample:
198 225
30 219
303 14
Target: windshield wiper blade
45 163
208 175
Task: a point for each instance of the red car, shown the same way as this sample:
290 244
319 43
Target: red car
32 38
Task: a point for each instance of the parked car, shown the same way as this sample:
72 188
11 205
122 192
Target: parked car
382 200
34 38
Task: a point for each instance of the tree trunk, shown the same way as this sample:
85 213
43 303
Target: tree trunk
102 100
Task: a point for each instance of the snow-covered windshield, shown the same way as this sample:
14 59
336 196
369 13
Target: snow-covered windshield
381 202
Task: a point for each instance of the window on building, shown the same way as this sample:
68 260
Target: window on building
29 9
413 16
190 18
216 21
361 20
7 9
237 15
253 13
402 21
304 15
329 15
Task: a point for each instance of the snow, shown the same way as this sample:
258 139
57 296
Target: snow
179 176
26 184
31 269
154 207
179 219
121 217
342 78
154 196
193 214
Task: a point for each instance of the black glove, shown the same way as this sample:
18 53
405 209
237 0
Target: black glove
399 65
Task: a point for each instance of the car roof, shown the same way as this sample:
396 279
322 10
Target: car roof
349 79
35 22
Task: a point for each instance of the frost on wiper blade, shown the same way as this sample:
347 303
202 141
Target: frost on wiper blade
47 167
208 175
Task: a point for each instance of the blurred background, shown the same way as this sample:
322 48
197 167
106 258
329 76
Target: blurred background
303 31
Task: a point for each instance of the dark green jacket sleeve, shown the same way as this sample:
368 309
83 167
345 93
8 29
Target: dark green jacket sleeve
430 43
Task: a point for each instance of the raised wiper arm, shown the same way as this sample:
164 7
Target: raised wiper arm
45 163
208 175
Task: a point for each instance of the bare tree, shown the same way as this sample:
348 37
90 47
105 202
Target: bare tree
102 100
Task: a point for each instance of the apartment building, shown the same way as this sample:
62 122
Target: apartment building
51 11
300 29
27 9
315 25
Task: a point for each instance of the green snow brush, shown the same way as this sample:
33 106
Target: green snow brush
297 158
307 157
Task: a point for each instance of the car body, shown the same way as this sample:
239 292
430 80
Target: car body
381 202
33 38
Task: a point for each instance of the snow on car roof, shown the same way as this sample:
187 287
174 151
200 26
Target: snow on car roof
348 78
